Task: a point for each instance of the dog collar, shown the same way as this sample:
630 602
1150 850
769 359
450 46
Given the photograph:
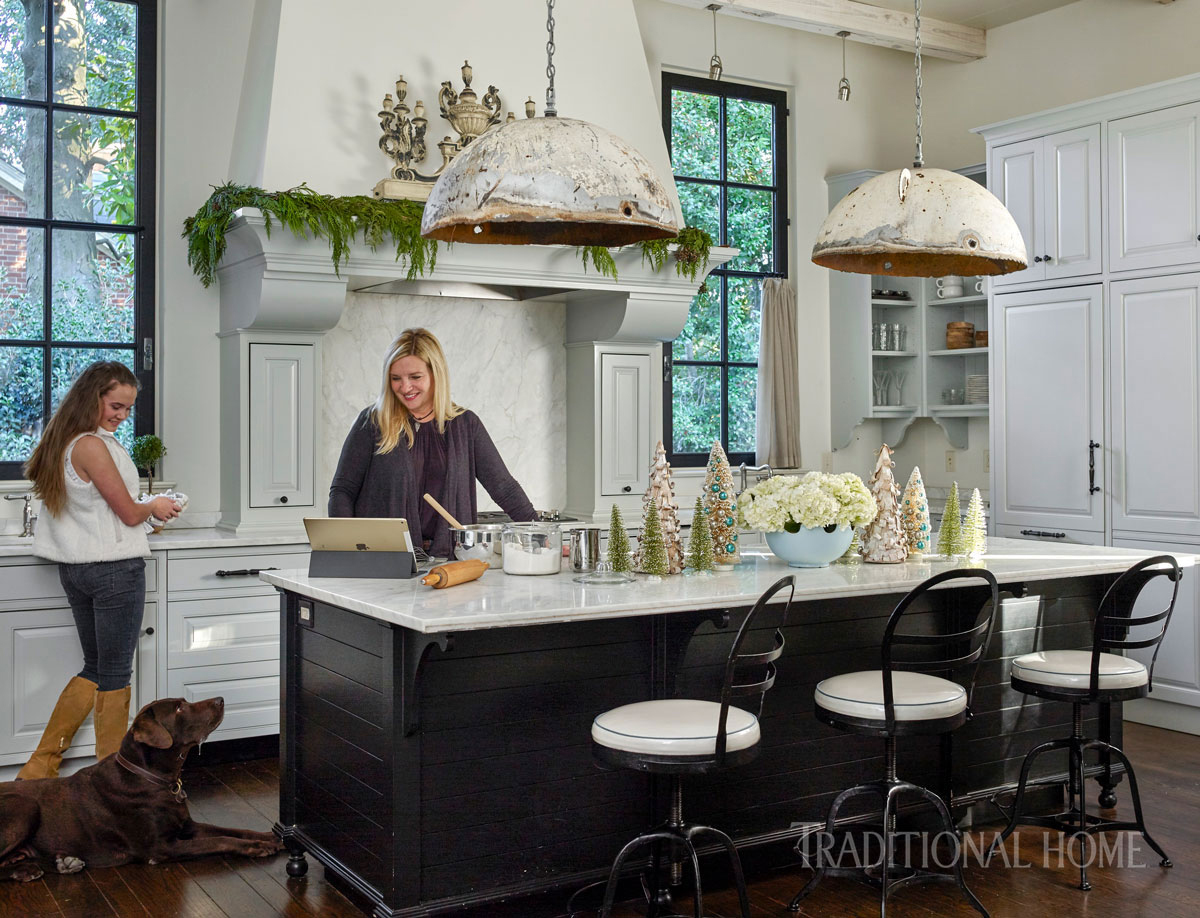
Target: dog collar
177 790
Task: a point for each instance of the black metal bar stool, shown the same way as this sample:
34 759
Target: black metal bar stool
681 736
1095 677
906 698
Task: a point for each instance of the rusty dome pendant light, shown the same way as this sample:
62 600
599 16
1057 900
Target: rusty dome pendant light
549 181
920 222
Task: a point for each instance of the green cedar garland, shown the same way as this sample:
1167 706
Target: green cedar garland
307 213
653 548
618 543
700 546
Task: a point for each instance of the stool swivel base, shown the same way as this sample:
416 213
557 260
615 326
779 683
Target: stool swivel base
886 874
1075 821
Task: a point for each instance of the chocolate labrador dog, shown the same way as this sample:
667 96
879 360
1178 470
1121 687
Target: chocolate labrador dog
129 807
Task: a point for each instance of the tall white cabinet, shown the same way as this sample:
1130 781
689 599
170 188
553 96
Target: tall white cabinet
1095 363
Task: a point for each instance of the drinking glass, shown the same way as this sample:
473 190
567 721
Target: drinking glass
881 378
897 388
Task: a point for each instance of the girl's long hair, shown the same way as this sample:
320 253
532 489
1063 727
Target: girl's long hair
78 413
389 413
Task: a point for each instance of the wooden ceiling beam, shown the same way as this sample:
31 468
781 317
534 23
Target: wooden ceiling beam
871 25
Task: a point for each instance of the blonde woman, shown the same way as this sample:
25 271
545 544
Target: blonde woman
414 440
92 526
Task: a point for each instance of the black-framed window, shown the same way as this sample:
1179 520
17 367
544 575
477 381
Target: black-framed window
77 138
728 145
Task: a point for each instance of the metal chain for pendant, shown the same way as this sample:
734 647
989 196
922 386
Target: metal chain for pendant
919 160
551 105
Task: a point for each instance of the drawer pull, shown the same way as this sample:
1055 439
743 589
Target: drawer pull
248 572
148 632
1043 535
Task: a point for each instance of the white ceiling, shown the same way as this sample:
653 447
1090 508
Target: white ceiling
980 14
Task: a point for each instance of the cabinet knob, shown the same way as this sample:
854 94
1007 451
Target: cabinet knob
627 488
1037 259
148 631
1046 259
283 500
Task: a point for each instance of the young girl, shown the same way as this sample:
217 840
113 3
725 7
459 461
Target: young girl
415 440
92 526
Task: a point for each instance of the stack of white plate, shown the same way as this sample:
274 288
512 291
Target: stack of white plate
977 389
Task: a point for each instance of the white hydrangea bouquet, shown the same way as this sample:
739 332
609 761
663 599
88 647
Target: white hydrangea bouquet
817 499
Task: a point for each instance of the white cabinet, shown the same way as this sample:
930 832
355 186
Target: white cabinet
1154 399
281 424
1177 669
1051 185
1047 394
624 423
1154 189
40 643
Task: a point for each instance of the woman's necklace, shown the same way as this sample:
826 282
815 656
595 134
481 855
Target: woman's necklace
417 422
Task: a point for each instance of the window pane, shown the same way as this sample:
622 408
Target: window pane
95 54
695 134
695 408
21 282
93 168
93 287
743 389
22 161
20 402
701 337
66 363
23 50
701 206
743 315
749 127
751 229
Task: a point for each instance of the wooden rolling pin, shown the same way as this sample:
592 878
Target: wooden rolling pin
453 573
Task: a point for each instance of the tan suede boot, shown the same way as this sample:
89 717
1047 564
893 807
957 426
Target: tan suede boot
112 720
72 708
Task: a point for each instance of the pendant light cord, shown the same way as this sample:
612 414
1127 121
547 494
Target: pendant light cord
919 159
551 104
714 12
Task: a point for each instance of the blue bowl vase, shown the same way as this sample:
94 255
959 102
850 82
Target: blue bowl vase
810 547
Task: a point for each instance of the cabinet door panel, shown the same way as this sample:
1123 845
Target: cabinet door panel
1072 201
211 632
1154 330
1047 372
281 431
1177 669
1153 189
624 423
1015 178
250 690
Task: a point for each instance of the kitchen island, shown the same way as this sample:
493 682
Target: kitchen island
436 747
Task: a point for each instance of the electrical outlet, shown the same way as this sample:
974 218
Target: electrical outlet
827 461
987 460
949 460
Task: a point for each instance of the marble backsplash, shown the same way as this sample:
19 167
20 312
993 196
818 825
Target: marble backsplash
507 364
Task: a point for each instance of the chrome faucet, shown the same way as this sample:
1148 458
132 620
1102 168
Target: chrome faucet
28 517
743 469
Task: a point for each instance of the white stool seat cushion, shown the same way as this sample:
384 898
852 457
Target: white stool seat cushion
917 696
674 726
1073 669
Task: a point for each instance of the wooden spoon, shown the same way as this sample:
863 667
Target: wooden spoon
443 512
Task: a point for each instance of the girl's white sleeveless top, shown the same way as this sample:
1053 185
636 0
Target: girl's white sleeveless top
87 529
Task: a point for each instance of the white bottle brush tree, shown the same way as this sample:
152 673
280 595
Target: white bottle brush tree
914 511
975 528
662 493
720 501
884 539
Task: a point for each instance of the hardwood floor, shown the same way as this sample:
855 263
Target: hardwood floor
245 794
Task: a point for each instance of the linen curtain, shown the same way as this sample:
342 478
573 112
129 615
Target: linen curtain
777 424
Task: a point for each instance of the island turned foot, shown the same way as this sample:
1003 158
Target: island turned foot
431 771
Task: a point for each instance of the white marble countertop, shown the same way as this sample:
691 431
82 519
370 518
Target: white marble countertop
499 600
12 546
